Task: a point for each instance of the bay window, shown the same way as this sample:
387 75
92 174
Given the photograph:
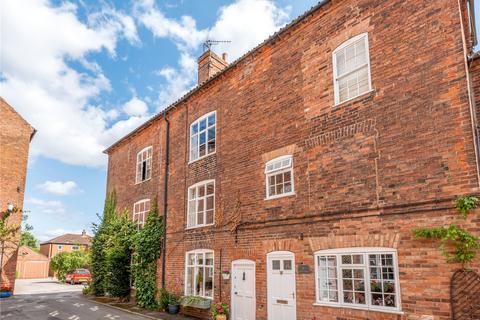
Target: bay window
199 269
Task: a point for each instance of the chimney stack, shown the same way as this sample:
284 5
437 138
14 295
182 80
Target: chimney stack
210 64
84 233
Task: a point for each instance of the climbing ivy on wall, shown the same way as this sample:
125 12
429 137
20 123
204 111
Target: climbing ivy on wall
464 243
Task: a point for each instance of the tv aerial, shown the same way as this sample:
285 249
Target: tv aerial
207 45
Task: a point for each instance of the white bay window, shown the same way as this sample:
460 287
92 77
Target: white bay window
358 277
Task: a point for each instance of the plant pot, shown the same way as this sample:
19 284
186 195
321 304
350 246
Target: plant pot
221 317
5 294
173 308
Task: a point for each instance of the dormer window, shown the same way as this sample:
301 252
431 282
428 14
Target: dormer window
279 177
203 136
144 165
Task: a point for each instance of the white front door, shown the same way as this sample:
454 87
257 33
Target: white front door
243 290
281 286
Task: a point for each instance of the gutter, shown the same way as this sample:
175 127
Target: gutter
165 196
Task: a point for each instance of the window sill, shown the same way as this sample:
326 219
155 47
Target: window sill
280 196
354 99
201 226
140 182
318 304
202 157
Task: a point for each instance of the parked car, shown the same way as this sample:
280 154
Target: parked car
78 276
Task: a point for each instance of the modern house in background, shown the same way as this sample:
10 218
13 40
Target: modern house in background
291 179
66 243
15 137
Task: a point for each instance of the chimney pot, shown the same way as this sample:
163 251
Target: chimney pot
224 56
84 233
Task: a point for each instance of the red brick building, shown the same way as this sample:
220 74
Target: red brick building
302 167
15 137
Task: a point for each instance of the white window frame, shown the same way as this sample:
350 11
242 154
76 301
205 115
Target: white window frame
140 222
336 77
269 173
148 164
75 248
59 247
365 251
205 116
195 265
196 185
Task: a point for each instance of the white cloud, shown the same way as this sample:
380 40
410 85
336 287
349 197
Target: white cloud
37 45
135 107
49 207
59 187
246 23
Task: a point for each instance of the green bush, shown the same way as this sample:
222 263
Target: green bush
117 281
66 262
164 299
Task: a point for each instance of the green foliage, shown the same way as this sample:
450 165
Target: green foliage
28 239
117 282
66 262
466 245
164 299
147 247
465 203
87 290
111 251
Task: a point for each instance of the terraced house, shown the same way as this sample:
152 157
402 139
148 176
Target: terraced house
291 179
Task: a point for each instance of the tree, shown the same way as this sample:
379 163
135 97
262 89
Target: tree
28 239
8 232
66 262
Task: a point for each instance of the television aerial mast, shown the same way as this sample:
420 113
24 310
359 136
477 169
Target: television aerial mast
207 45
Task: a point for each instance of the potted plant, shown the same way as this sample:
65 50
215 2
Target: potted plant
220 311
173 305
6 292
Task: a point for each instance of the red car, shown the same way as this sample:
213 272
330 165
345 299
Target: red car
78 276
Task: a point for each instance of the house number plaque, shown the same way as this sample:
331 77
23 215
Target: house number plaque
304 268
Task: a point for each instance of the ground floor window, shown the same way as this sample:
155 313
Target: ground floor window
360 277
199 273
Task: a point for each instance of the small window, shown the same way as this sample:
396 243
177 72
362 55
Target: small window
279 177
144 165
201 204
199 273
75 248
359 277
351 64
203 136
140 210
60 247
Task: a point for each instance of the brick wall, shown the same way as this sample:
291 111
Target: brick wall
15 136
366 172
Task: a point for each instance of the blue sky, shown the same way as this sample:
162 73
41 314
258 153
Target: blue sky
85 73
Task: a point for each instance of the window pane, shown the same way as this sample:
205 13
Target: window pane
211 134
288 187
346 259
203 125
209 258
287 264
276 264
210 203
209 282
200 281
357 258
210 188
202 150
211 146
199 258
200 218
211 119
271 191
200 204
201 190
279 189
195 128
190 280
209 218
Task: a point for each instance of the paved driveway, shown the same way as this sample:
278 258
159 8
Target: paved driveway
47 285
58 306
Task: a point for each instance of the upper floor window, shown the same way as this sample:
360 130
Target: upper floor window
201 204
351 68
140 210
358 277
199 273
144 165
279 175
203 136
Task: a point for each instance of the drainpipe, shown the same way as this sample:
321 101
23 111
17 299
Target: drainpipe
165 197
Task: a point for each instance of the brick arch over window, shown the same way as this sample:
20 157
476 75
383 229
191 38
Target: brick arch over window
282 245
389 240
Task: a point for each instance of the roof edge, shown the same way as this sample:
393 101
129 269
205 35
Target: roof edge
204 84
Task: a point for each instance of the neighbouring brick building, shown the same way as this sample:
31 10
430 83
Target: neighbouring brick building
15 137
66 243
295 176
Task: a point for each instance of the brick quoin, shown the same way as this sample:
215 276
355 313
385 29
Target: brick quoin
366 172
15 137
